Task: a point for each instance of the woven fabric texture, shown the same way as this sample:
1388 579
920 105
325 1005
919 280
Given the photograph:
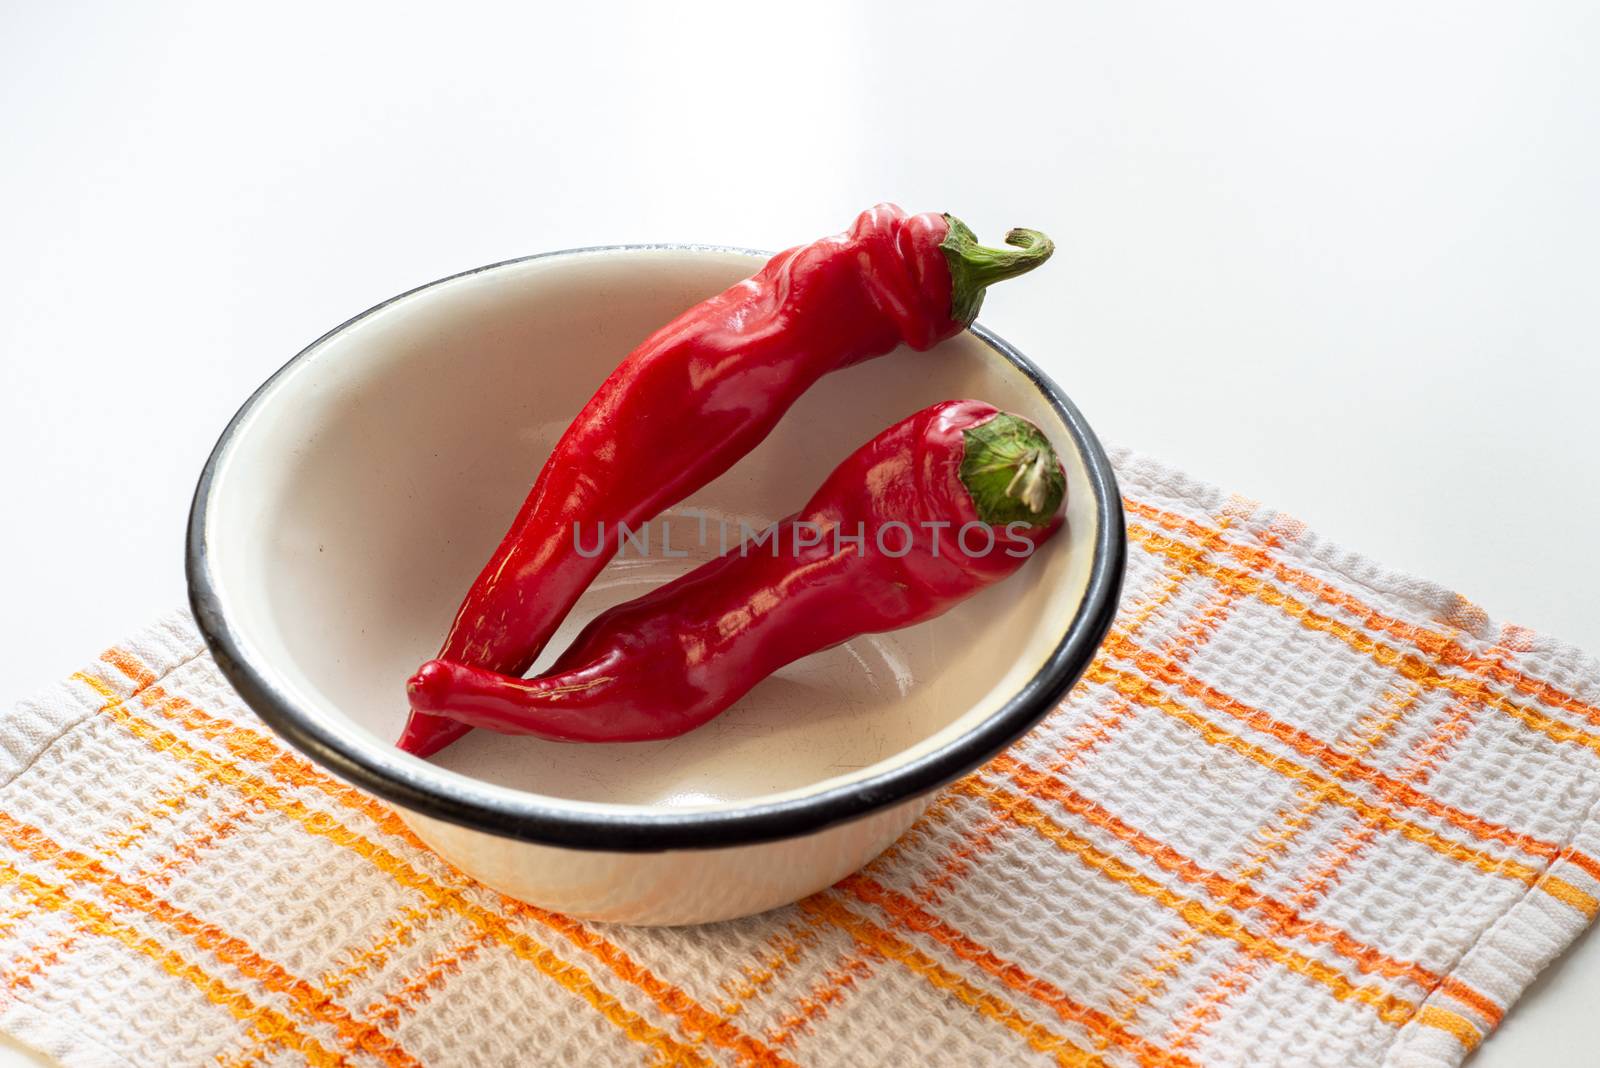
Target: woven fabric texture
1301 810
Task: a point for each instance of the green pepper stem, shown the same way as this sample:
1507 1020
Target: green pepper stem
974 267
1011 472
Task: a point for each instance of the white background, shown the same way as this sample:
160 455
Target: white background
1343 259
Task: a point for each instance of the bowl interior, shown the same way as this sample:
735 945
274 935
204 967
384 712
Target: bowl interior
366 486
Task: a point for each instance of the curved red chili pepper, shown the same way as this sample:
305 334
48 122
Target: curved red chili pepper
701 392
667 662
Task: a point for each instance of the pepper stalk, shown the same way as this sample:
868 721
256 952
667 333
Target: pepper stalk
1012 472
975 267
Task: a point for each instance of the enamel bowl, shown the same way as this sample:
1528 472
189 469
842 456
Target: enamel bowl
350 503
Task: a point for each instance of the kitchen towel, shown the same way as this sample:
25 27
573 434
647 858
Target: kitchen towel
1300 810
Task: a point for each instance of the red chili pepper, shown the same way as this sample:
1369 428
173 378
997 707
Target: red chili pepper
701 392
947 502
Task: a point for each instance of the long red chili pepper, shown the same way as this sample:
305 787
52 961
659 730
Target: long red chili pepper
701 392
929 499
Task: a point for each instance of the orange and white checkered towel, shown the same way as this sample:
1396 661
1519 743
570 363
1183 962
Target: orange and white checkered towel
1302 810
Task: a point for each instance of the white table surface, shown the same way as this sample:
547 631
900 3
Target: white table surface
1342 259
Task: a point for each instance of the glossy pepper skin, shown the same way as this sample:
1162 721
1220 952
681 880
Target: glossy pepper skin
669 661
701 392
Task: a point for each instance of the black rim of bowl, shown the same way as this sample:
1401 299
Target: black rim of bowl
413 785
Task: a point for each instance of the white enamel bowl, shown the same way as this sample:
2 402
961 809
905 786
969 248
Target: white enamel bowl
353 498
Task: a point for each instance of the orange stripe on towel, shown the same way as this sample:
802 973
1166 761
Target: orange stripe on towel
293 770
